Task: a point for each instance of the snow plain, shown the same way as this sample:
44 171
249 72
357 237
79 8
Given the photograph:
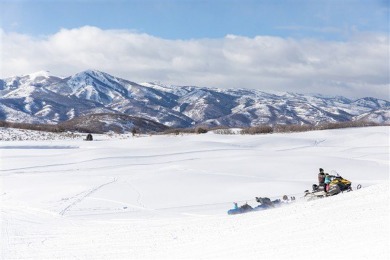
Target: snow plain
166 197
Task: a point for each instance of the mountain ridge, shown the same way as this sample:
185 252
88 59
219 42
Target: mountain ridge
43 98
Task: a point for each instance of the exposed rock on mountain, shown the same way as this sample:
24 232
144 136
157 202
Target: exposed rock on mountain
42 98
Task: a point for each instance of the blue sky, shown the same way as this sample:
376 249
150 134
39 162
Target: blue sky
187 19
333 47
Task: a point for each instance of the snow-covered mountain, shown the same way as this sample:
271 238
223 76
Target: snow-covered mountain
42 98
106 122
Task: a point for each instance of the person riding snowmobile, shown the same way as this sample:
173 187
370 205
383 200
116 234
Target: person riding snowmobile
328 179
321 179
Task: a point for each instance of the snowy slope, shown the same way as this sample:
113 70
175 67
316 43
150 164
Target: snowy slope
166 197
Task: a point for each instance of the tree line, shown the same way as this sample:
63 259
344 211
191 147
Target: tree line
260 129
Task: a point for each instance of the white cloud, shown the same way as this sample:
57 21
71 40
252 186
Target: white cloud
355 68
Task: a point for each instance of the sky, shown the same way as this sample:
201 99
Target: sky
331 47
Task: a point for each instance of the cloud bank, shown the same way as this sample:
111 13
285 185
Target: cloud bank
354 68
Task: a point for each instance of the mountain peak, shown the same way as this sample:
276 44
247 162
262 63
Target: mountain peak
92 72
53 99
39 74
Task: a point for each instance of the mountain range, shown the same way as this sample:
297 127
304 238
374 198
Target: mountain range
42 98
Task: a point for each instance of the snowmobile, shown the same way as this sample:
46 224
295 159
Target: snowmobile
344 185
239 210
336 186
265 203
318 191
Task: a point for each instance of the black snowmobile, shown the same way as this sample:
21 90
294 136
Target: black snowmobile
239 210
265 203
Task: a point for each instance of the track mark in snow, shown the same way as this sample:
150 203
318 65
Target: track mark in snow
49 167
14 171
23 147
317 142
139 196
85 196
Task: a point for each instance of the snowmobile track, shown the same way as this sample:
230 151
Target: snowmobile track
62 212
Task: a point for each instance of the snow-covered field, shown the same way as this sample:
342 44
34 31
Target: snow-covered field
166 197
